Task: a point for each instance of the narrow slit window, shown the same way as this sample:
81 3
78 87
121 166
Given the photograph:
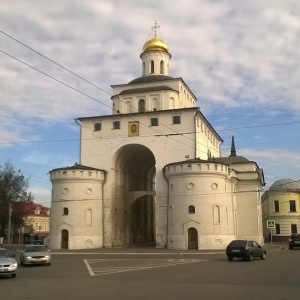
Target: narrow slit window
152 66
162 67
276 206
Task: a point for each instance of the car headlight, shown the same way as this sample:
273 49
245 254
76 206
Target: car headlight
47 256
14 264
28 257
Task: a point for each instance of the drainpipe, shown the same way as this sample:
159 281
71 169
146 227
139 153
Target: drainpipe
167 206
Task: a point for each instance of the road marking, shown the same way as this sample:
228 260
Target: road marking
111 266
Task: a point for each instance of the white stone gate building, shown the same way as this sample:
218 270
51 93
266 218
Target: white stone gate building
152 172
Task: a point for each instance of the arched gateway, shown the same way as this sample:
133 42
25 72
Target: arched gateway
134 192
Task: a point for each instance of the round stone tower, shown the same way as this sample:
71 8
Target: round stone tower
201 206
77 208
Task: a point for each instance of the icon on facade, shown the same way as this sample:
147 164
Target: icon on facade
133 128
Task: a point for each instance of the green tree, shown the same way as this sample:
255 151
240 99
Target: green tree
13 195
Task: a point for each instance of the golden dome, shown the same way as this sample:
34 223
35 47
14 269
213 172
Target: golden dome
156 45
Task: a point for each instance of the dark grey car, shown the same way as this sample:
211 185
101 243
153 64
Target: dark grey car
246 250
294 240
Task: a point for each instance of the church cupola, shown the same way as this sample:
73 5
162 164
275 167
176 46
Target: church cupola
155 56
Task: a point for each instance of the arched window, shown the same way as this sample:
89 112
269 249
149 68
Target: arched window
128 107
216 214
162 67
66 211
152 67
154 103
141 105
192 209
171 103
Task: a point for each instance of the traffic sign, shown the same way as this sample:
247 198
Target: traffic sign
271 223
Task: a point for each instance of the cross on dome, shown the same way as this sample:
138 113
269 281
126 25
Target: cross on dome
155 44
155 27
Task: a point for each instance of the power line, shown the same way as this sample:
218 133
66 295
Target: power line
54 62
92 98
59 81
51 60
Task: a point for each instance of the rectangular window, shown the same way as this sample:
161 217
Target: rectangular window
292 206
116 125
176 119
276 206
154 121
36 226
97 126
277 228
293 228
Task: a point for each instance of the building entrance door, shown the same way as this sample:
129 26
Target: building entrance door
64 239
192 238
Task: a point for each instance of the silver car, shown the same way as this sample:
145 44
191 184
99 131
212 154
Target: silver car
35 255
8 265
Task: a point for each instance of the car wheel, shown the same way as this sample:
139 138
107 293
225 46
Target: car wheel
230 258
263 256
250 257
13 275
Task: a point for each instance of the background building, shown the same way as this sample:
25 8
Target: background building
36 223
281 203
152 172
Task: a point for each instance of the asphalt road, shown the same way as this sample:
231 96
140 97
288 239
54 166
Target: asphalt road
150 274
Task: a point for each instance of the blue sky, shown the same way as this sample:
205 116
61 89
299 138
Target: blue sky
240 59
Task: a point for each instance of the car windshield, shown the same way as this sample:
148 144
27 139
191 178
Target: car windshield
238 244
4 253
36 249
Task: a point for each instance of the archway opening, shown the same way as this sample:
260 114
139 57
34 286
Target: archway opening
134 221
141 221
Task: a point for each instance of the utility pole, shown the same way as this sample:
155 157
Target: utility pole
9 225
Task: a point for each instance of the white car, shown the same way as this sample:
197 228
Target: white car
35 255
8 265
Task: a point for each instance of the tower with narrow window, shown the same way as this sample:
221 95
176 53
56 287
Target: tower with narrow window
76 221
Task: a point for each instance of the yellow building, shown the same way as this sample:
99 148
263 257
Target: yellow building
281 204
